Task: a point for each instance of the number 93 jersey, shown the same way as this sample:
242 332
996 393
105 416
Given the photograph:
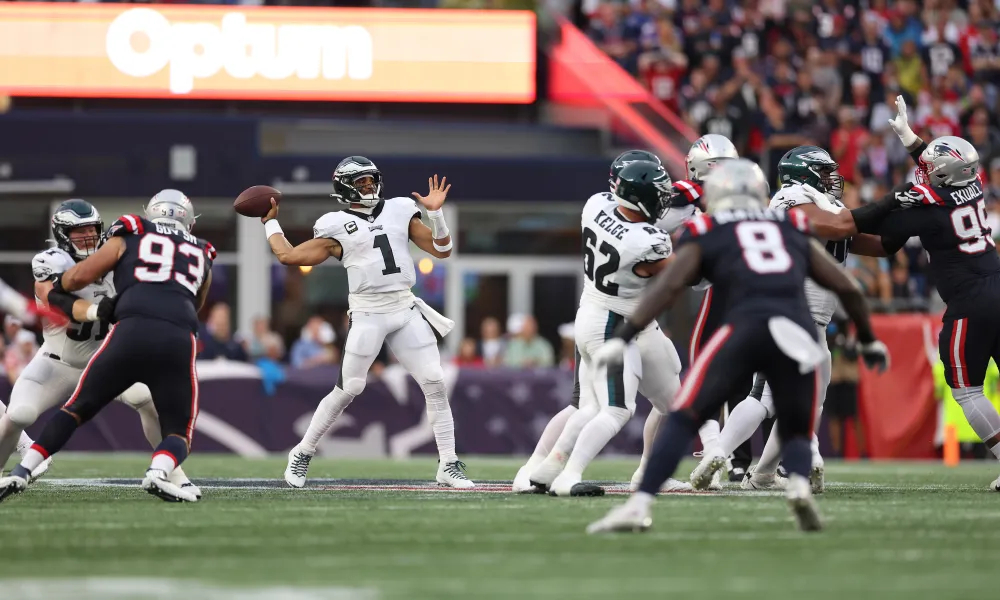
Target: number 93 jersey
822 302
612 248
159 274
74 343
376 250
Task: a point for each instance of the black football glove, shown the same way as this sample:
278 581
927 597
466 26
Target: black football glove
875 355
906 196
106 309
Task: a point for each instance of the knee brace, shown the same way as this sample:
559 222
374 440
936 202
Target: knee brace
22 415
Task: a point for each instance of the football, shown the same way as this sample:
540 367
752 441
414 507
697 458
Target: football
256 201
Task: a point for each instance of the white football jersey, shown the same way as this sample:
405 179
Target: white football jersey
376 253
74 343
822 302
612 247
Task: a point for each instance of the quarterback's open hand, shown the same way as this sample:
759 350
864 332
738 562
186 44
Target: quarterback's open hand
611 352
435 197
271 214
875 355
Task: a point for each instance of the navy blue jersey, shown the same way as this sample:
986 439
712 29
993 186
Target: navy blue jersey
159 274
757 261
952 226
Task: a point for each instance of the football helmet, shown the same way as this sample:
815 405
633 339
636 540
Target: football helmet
948 160
626 158
644 186
348 176
172 207
814 166
735 184
72 214
706 153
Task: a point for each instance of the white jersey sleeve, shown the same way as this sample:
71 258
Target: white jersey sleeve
822 302
51 263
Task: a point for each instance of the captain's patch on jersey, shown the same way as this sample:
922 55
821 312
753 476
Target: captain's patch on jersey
350 227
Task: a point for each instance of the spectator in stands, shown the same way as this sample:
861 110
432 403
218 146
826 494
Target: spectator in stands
986 139
993 188
269 362
567 351
19 353
11 327
847 142
215 338
841 408
491 343
527 349
467 355
255 344
315 345
910 68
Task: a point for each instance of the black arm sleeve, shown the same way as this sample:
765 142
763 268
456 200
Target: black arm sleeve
867 218
62 300
916 152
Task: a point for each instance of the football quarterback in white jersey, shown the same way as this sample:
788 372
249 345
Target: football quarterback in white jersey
805 173
52 375
372 236
622 251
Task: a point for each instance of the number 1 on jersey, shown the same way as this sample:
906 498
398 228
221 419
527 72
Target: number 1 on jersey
382 243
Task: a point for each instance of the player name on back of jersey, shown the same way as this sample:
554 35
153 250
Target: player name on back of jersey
970 193
612 225
749 214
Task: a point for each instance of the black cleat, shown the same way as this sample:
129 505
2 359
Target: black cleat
736 474
586 489
540 488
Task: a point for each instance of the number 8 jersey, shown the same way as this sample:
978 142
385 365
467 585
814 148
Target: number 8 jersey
74 343
160 272
612 247
376 252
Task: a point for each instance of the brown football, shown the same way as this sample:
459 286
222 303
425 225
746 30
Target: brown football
256 201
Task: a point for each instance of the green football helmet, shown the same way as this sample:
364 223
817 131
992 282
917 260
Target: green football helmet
644 186
626 158
814 166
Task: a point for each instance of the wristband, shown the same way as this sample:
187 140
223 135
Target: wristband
438 227
627 331
272 227
444 248
92 313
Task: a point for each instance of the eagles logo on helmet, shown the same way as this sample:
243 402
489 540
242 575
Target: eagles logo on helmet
626 158
643 186
357 180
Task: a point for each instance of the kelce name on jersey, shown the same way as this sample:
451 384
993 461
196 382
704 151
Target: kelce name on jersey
967 194
610 224
742 214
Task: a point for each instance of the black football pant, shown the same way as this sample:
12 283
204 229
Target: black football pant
966 346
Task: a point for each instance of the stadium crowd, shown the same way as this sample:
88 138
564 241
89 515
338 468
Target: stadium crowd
775 74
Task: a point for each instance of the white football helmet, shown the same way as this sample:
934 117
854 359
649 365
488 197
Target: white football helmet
736 184
706 153
948 160
172 207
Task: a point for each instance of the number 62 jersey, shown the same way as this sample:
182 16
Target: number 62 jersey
612 247
74 343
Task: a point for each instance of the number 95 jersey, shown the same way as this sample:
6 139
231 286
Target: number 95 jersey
612 247
376 249
74 343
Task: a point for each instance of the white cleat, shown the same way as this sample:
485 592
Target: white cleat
522 482
995 486
11 485
545 473
800 500
452 474
817 479
41 469
631 516
716 485
707 473
675 485
562 486
157 484
297 468
763 481
179 478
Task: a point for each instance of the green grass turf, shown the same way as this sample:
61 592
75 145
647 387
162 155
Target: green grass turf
914 530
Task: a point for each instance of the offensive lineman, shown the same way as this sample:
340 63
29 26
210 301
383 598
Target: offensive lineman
51 376
621 252
372 237
162 274
948 214
759 259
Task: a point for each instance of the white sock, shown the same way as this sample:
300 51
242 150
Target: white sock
744 419
12 437
24 442
649 431
709 434
150 424
550 434
642 500
571 431
31 459
595 436
441 420
980 413
771 455
330 407
164 462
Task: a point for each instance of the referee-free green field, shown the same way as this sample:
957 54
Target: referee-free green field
372 529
